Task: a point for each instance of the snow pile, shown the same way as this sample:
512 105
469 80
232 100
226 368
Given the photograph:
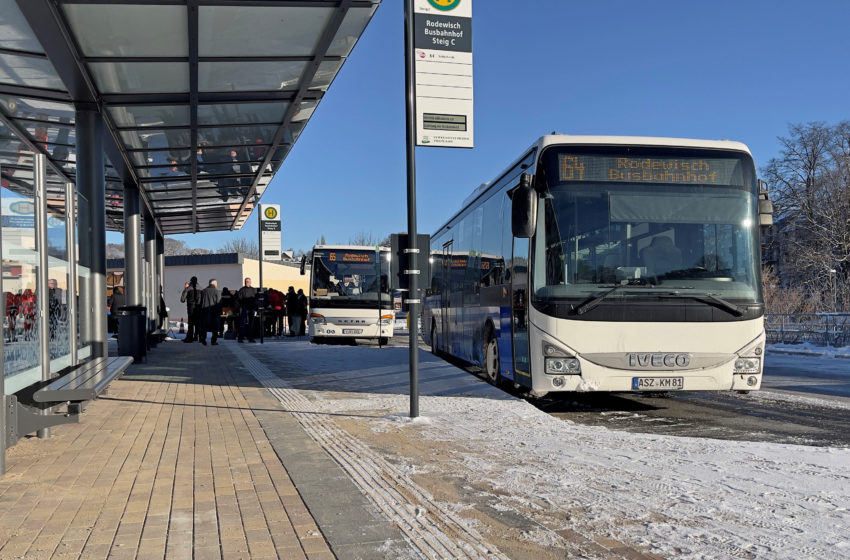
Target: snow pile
683 497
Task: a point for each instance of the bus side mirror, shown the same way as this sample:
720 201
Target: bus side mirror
303 264
765 206
524 207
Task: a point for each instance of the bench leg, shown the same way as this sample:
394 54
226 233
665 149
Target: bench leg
76 407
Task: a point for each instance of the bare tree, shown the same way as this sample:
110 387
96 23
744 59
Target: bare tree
242 245
811 189
368 239
785 299
114 251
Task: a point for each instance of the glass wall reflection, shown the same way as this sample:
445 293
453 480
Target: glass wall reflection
21 356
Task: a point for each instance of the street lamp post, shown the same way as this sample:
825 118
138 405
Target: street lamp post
834 274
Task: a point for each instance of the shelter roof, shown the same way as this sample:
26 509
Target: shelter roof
202 99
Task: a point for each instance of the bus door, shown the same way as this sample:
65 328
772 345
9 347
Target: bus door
519 311
446 296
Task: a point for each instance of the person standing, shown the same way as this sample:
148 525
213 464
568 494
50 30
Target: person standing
191 296
210 312
277 305
228 306
247 297
292 316
302 313
114 303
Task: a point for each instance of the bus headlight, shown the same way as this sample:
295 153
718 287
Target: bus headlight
747 365
318 319
562 366
386 319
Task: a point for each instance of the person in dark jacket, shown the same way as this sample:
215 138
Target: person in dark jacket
210 312
302 313
115 301
292 316
191 296
247 298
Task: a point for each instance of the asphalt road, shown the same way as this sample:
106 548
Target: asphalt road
733 416
724 414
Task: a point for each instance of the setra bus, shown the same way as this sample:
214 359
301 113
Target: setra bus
598 263
350 295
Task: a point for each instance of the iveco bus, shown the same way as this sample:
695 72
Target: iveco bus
350 296
607 264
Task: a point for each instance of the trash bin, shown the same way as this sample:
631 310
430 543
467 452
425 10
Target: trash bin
132 331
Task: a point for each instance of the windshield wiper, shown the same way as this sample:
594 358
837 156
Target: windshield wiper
722 303
592 302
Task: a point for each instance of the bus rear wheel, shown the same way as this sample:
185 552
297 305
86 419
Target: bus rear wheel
434 340
492 366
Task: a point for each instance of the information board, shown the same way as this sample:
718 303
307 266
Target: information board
443 69
270 232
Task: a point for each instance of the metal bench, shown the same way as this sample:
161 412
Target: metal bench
33 410
85 382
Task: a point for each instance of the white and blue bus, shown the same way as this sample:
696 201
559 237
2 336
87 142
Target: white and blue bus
607 264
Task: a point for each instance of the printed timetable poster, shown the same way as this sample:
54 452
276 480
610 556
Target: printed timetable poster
443 72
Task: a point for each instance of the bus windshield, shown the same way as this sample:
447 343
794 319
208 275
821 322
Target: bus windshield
349 278
653 219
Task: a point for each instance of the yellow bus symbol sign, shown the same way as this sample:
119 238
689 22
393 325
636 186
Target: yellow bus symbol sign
271 213
444 5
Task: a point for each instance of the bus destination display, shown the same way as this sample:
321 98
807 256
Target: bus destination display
680 171
351 257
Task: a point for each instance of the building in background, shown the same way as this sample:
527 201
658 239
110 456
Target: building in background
230 269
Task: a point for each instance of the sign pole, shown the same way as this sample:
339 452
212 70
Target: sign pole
260 256
413 258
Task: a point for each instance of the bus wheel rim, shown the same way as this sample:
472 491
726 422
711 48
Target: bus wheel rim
492 366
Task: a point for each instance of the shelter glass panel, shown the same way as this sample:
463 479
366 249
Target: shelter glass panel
58 273
22 108
222 30
15 32
242 135
129 30
305 111
150 115
236 153
21 353
160 157
350 30
44 133
325 74
29 71
241 113
250 76
141 77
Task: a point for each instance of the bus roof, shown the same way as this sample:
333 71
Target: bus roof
596 140
349 247
568 139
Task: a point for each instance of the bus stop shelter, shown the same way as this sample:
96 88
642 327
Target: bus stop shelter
148 118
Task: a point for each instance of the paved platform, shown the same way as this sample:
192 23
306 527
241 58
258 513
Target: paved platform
226 452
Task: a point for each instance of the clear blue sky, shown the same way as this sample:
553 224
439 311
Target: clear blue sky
734 69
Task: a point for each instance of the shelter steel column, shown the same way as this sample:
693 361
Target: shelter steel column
3 407
71 243
41 300
132 247
150 260
91 184
160 273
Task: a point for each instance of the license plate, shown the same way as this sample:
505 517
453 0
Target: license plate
657 383
352 331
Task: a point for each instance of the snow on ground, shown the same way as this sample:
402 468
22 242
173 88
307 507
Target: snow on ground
681 497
